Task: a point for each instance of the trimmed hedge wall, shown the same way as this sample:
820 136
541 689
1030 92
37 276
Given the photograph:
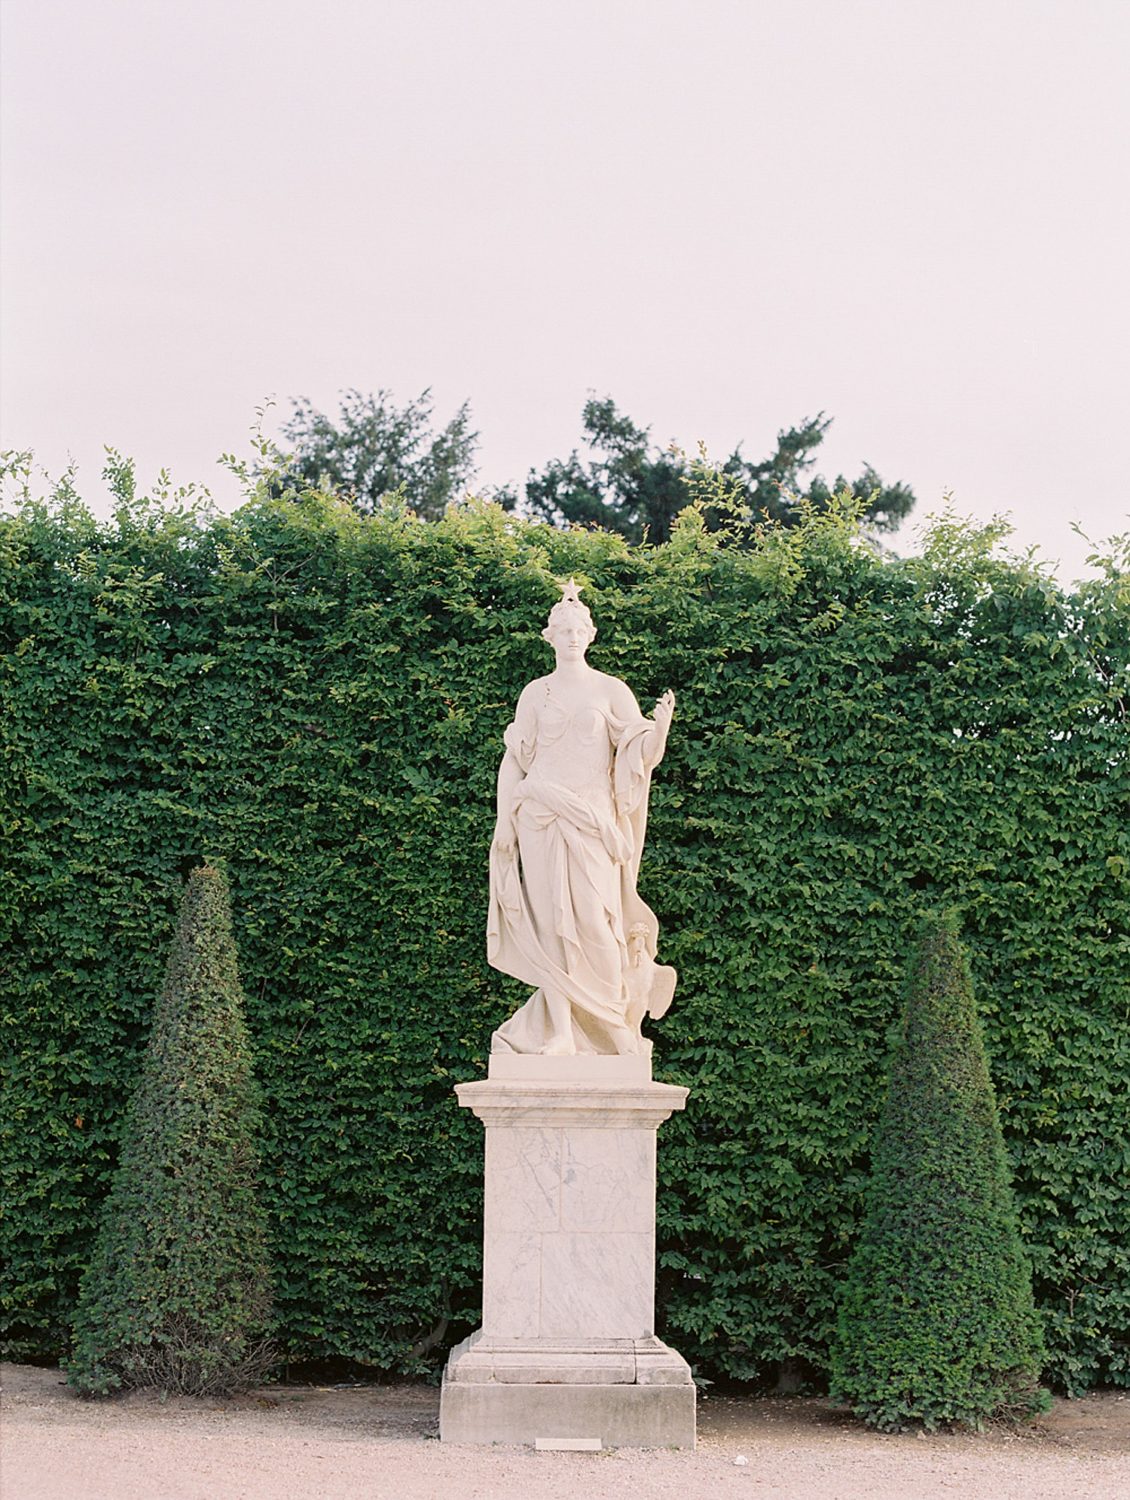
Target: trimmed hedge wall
319 699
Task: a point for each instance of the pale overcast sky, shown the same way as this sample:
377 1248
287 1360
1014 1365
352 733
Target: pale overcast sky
726 214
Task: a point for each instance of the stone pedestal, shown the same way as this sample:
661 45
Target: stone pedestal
567 1350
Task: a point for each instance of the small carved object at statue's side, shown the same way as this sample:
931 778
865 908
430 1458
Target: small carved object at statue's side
572 810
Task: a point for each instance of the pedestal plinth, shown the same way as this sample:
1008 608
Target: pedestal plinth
567 1349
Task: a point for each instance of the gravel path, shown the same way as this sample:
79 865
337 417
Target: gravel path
378 1443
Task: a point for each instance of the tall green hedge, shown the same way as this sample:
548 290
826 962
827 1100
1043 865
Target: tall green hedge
319 699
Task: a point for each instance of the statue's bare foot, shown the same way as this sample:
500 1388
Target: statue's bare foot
559 1046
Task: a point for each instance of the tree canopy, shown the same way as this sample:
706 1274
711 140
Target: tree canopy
375 448
636 488
627 484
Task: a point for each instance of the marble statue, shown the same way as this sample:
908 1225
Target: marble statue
572 808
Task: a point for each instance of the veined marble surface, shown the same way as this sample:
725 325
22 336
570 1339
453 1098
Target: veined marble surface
569 1212
597 1286
607 1180
569 1262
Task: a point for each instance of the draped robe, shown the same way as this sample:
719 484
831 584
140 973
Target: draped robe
564 903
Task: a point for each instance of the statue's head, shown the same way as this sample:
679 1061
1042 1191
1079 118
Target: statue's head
569 614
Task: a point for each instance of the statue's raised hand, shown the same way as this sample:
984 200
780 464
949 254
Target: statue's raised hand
664 709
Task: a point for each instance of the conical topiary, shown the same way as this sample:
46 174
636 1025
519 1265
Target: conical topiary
178 1292
937 1322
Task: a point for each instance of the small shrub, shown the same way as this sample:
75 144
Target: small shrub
937 1321
178 1293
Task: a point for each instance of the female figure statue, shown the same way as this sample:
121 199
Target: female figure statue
572 808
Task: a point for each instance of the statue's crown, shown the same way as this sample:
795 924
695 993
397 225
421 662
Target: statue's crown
569 605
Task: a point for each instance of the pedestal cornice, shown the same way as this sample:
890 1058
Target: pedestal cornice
612 1106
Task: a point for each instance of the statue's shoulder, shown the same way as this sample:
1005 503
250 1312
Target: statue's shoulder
620 695
532 693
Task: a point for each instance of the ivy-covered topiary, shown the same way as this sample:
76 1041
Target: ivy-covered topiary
178 1293
937 1322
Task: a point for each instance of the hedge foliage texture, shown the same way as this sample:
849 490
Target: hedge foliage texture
936 1321
178 1293
319 699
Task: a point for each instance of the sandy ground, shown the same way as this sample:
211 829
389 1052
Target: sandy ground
379 1443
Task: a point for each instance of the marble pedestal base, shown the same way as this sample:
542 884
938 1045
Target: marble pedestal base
567 1349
